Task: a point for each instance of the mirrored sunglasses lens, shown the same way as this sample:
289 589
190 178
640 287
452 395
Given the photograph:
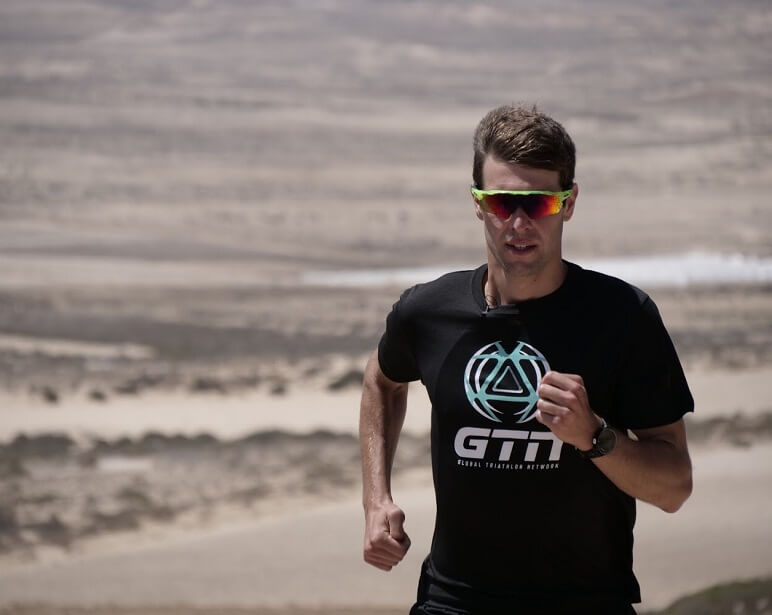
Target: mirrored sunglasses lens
499 205
543 205
534 205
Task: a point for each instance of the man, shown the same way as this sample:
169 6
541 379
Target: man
557 400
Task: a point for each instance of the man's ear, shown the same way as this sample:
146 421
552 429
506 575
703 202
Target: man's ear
568 206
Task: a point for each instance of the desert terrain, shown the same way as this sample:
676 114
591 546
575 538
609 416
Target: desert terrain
179 380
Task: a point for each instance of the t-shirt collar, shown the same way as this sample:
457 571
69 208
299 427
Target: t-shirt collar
478 278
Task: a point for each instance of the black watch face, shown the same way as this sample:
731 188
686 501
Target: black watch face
607 439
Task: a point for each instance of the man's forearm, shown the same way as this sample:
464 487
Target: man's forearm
382 414
654 468
657 471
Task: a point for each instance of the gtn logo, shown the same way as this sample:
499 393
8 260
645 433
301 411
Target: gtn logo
503 384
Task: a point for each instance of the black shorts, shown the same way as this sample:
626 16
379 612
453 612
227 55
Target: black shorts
425 609
438 597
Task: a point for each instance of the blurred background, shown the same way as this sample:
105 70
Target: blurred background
208 207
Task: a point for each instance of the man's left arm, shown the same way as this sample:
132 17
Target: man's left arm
655 468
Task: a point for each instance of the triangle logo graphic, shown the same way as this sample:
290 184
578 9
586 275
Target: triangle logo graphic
507 383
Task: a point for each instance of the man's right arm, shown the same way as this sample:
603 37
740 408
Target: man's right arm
382 413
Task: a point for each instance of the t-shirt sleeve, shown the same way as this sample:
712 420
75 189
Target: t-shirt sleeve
652 389
396 350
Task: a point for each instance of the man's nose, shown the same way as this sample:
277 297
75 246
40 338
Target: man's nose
520 219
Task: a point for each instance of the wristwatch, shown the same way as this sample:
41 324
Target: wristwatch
603 442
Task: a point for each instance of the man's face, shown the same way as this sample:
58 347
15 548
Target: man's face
521 245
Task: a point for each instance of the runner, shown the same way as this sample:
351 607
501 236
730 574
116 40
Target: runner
557 401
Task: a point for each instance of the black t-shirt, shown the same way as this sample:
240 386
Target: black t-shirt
520 516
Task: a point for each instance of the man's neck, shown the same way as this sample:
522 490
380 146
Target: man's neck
503 287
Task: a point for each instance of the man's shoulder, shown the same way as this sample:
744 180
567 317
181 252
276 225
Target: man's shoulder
607 288
447 290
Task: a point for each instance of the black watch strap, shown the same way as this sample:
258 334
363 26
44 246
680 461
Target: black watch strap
603 442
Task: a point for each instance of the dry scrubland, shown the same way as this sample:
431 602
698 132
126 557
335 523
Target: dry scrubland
170 171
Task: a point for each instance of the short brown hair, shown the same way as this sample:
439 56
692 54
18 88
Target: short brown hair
524 136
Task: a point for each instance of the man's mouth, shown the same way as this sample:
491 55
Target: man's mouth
521 247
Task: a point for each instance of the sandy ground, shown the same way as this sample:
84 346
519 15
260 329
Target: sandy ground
178 407
150 510
302 409
722 531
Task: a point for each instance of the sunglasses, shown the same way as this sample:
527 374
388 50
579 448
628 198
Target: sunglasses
535 203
